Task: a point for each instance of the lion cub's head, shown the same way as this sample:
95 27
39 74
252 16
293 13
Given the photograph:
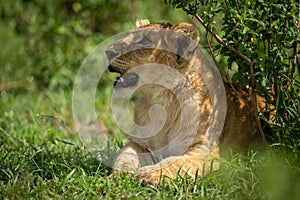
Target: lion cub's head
165 44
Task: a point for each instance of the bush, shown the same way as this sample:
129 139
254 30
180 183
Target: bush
261 39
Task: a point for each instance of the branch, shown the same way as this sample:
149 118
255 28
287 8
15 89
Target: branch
237 7
225 75
245 58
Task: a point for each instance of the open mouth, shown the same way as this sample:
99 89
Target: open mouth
128 79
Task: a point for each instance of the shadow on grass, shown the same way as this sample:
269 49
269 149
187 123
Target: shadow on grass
52 158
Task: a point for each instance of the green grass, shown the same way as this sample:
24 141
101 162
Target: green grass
43 158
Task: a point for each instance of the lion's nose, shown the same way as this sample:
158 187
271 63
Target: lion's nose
110 54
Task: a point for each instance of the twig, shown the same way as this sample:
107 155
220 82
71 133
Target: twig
296 61
245 58
225 75
237 7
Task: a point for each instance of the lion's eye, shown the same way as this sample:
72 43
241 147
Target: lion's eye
145 41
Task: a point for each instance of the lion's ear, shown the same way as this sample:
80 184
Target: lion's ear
183 44
141 22
188 30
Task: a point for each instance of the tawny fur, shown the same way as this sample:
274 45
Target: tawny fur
138 156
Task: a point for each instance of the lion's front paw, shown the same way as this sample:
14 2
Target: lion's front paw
150 175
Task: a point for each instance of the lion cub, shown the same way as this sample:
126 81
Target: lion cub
174 142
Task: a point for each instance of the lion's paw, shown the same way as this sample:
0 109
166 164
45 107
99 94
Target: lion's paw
149 175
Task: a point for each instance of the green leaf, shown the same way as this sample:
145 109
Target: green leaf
236 77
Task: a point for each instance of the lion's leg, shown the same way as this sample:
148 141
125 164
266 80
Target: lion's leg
131 157
189 163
